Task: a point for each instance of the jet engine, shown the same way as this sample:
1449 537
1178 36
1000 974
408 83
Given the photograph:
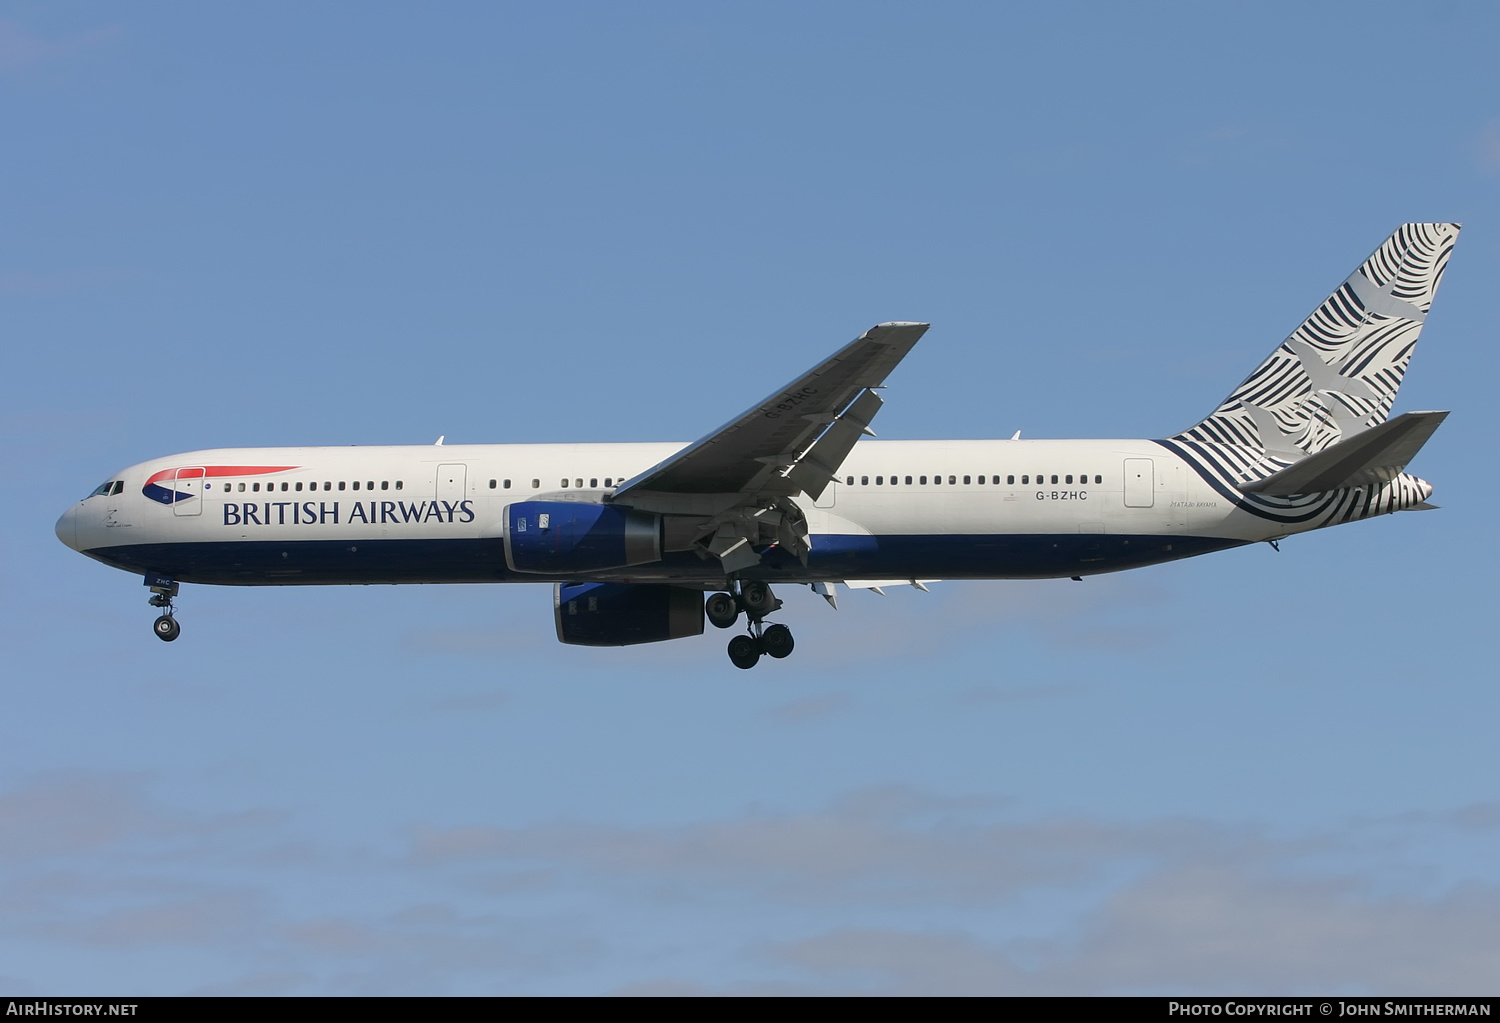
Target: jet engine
622 614
561 537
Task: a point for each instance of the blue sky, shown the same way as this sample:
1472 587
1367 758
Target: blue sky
294 224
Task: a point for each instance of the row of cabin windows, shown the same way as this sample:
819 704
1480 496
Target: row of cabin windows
285 486
536 484
576 482
1041 478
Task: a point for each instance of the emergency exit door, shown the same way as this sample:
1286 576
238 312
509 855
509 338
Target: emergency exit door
1140 483
452 482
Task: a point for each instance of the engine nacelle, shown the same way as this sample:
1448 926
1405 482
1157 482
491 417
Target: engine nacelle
622 614
559 537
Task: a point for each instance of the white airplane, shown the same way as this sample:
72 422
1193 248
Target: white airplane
632 535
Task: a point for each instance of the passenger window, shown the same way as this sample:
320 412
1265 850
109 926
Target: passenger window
565 484
241 488
1025 479
1069 480
370 485
1054 477
341 485
880 481
1008 479
908 481
493 484
1098 479
966 480
506 487
535 484
608 481
385 484
255 487
922 480
356 484
398 484
864 481
580 484
298 486
593 483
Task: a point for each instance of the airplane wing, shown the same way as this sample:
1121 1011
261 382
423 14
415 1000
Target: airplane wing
793 441
751 451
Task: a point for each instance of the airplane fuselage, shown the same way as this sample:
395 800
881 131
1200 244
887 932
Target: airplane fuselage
961 509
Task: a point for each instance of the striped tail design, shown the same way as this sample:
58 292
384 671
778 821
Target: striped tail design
1337 375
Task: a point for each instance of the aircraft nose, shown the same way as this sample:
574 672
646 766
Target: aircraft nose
67 527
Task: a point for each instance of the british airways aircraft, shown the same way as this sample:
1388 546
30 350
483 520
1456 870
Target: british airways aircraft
632 536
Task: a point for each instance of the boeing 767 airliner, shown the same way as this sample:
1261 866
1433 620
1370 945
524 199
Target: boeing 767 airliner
633 535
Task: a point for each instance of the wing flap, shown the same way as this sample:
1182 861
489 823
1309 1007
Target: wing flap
1376 456
819 464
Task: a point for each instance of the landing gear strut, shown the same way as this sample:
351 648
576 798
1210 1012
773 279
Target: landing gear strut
757 601
162 592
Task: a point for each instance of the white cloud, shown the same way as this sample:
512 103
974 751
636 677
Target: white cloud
1197 928
1180 906
887 890
21 50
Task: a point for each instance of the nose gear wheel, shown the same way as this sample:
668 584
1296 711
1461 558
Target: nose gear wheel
162 592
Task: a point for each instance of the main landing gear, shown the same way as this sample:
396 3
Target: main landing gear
162 592
756 600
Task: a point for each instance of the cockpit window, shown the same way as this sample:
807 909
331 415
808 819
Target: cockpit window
119 488
102 490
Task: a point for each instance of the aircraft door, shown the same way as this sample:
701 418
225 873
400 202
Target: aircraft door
452 482
188 488
1140 483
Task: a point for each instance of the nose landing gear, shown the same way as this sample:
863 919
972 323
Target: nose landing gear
757 601
162 592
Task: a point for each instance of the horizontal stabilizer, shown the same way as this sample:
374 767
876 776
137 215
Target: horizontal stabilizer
1376 456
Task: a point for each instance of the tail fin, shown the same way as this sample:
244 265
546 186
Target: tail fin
1337 375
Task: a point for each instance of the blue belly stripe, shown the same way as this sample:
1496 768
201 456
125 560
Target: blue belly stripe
909 556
